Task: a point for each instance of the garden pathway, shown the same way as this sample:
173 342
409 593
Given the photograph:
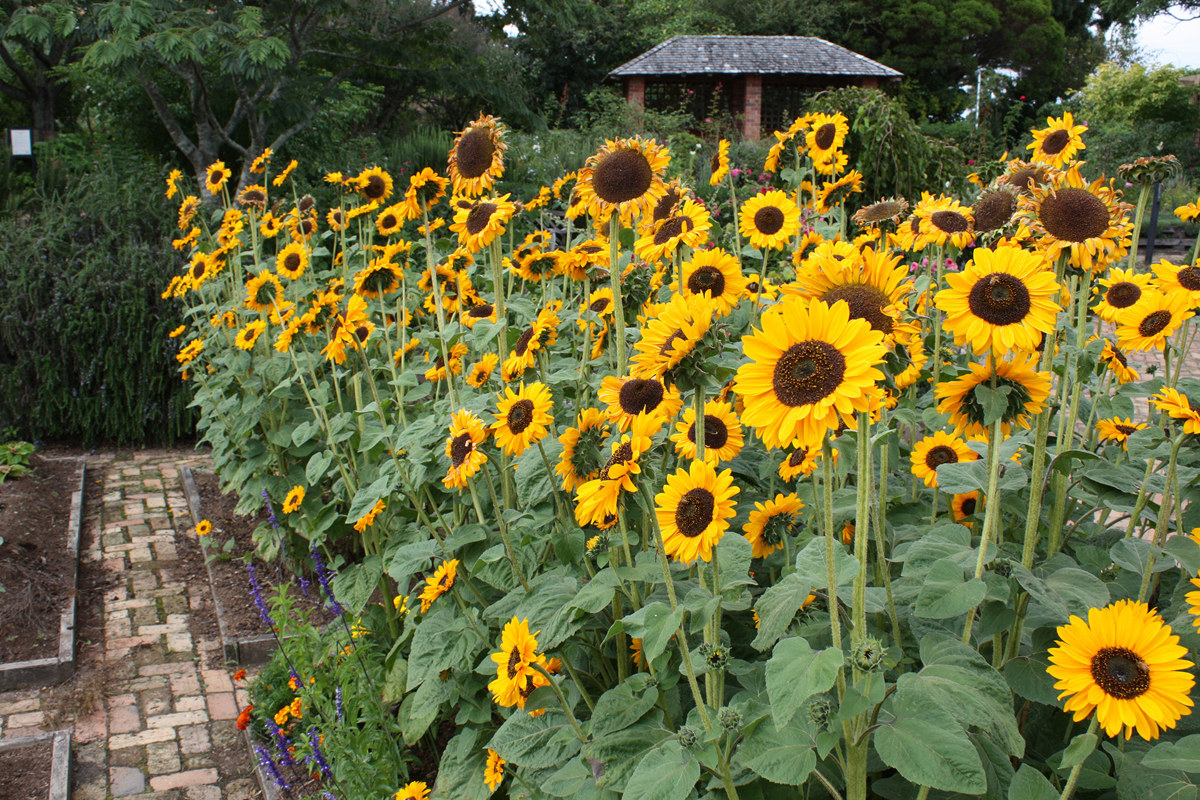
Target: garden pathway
152 708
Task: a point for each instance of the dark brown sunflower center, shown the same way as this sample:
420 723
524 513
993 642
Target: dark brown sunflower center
600 306
543 265
622 175
520 415
460 447
215 175
254 197
768 220
523 342
1120 672
1127 430
481 312
1023 179
866 302
714 163
808 372
291 262
308 226
362 332
1056 142
474 153
825 136
388 221
640 394
1123 294
1189 278
478 217
694 512
1154 323
994 210
707 279
672 229
715 432
375 187
664 207
941 454
968 506
878 212
1074 215
336 217
999 299
1119 356
514 663
949 222
797 457
669 344
198 270
622 453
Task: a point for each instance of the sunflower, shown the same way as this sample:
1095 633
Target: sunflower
279 179
1176 279
801 461
964 506
493 770
600 303
248 335
880 212
368 519
537 265
1026 392
670 335
352 328
834 193
945 221
596 499
374 184
1150 321
478 223
516 676
581 457
271 226
809 241
1086 221
476 160
467 432
1178 406
438 583
438 372
522 418
391 220
416 790
936 450
826 135
216 176
1121 289
770 220
874 284
811 367
628 399
263 291
481 371
203 528
722 433
1125 664
380 278
260 164
719 165
292 260
624 176
694 510
1003 300
1118 430
1058 143
771 522
480 312
715 275
254 196
994 209
687 225
295 497
1117 363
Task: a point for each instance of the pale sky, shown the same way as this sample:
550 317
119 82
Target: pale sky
1166 40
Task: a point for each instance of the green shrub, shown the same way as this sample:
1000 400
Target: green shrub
84 351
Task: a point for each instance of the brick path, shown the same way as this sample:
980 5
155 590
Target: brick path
163 728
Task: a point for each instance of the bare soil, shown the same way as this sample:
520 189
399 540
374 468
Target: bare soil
26 772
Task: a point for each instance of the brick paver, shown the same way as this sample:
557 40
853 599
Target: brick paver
168 701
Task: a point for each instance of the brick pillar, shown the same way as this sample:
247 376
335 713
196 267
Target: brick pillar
635 91
752 108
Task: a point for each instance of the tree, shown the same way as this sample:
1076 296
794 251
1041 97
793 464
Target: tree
37 42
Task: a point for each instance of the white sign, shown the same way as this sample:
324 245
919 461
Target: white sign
22 141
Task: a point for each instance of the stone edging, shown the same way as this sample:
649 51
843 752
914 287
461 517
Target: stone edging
60 759
247 650
58 668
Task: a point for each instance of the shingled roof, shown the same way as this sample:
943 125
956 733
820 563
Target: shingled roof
753 55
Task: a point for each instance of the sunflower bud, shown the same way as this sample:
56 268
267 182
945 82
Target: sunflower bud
717 657
730 719
867 655
687 737
820 709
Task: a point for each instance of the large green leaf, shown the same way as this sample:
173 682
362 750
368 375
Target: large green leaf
615 755
1029 784
786 755
777 607
1183 755
1138 783
945 594
795 673
624 704
810 564
929 748
668 772
442 640
535 742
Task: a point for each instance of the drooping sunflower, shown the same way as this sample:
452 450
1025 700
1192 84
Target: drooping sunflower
351 328
715 275
669 336
493 770
596 499
1118 430
890 209
263 291
771 522
581 457
1087 221
625 177
216 176
516 677
438 372
476 161
944 220
1057 143
480 312
994 209
630 398
292 260
1003 300
478 223
1125 664
1179 279
833 193
522 418
1119 290
253 196
769 220
719 165
1151 321
811 368
438 583
965 506
687 225
1026 395
694 509
467 432
936 450
536 265
425 188
187 211
1178 406
279 179
1116 362
374 184
295 497
874 284
722 433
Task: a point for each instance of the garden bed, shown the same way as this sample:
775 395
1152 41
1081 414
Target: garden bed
244 637
39 571
36 767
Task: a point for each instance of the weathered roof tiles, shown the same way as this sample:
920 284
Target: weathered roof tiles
754 55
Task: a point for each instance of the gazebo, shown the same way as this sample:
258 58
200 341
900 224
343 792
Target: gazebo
767 79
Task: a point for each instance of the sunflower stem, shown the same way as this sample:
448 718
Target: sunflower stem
992 511
937 315
881 499
830 568
1073 778
614 278
1143 196
562 701
1164 517
508 548
441 315
862 532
